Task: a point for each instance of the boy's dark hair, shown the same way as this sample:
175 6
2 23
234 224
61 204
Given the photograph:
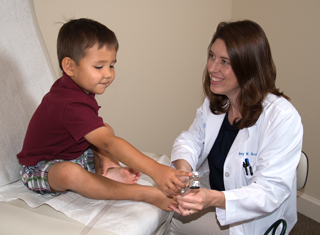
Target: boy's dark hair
77 35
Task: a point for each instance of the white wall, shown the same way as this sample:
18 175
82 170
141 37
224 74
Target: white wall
163 44
292 27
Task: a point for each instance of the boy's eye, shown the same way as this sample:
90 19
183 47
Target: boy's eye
98 67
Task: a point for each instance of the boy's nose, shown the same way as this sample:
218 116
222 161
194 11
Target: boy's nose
107 73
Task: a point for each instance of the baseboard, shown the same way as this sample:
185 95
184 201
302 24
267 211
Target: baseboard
308 206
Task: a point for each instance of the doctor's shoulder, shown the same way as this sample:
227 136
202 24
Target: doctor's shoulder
275 107
204 109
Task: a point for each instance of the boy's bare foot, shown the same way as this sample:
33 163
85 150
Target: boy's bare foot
123 174
156 197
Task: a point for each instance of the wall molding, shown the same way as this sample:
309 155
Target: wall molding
308 206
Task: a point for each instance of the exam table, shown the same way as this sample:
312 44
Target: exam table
21 210
26 76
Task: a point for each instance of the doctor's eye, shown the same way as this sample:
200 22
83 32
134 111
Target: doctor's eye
225 62
211 55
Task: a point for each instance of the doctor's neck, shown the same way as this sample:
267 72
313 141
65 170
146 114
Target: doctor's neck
234 113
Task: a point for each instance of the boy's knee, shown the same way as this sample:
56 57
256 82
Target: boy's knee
64 175
110 128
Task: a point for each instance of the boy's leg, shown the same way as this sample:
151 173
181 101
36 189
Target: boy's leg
109 167
70 176
103 161
124 175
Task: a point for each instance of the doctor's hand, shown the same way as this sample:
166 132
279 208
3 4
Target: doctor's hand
197 200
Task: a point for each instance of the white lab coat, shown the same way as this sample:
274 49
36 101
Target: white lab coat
273 146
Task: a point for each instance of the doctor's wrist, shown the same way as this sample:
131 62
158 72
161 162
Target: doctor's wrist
217 199
182 165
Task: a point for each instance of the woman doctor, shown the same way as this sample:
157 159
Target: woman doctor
245 141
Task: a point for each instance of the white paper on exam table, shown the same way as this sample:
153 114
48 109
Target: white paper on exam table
118 216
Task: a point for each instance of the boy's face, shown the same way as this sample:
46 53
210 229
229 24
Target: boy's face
95 71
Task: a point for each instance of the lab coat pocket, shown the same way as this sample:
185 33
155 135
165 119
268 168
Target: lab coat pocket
247 170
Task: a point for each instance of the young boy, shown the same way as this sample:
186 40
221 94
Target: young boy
56 154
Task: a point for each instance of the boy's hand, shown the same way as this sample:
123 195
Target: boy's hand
169 179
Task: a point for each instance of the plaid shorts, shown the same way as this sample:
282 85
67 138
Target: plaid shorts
35 177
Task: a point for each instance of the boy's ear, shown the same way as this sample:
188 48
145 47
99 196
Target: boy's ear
67 66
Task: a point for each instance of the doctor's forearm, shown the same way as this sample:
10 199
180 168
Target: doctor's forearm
183 165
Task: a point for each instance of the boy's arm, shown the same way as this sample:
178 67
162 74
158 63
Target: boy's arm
103 161
166 177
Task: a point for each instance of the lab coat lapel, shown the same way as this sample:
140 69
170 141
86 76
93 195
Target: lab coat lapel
213 126
242 137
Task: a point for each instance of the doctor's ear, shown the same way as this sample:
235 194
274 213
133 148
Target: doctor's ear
68 65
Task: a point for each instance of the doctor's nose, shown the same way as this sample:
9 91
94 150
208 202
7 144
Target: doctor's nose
213 66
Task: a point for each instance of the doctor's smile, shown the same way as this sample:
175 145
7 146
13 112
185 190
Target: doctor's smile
215 80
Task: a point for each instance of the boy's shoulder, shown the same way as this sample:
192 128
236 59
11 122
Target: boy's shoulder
66 93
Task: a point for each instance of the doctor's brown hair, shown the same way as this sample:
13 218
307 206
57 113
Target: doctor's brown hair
251 61
77 35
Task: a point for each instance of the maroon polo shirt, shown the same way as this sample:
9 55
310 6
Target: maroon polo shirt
58 126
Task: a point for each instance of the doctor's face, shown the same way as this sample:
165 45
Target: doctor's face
222 78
